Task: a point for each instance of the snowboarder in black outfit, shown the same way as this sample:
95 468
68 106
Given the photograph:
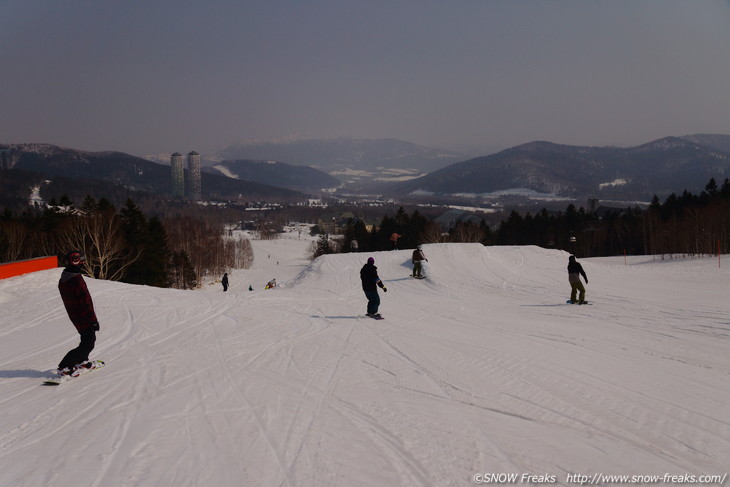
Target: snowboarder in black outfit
224 281
80 308
575 270
370 284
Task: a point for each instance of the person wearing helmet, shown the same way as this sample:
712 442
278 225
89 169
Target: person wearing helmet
575 270
370 284
80 309
417 261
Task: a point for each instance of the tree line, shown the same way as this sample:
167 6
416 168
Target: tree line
683 224
125 245
686 224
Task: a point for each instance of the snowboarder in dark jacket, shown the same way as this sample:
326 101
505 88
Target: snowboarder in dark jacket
80 309
224 281
575 270
370 284
417 260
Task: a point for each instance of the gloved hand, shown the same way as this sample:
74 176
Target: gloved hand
385 289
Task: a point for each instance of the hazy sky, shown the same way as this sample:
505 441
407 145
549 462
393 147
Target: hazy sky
157 76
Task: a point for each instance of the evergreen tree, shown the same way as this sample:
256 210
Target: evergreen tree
324 246
136 233
182 273
158 255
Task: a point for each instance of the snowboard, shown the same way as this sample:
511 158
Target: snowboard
419 277
375 317
78 372
571 302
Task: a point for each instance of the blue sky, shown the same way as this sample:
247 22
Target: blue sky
148 77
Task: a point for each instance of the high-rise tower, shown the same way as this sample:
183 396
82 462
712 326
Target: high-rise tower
194 176
178 175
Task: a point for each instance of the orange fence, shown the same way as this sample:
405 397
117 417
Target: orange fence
25 266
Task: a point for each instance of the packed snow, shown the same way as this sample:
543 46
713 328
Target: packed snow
480 373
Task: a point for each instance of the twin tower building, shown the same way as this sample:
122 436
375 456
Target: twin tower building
178 176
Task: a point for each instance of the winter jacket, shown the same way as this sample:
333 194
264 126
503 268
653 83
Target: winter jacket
575 270
76 299
417 256
369 278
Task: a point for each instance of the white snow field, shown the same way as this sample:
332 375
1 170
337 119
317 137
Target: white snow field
479 372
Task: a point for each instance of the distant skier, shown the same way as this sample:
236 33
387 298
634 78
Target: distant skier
224 281
270 284
394 240
80 309
575 270
370 284
417 260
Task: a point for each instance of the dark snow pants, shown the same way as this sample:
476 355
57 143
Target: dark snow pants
80 353
373 301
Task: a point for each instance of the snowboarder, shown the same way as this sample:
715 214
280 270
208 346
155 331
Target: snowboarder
224 281
270 284
417 260
80 309
575 270
394 240
370 284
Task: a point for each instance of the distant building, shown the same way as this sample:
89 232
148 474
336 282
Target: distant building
178 175
194 176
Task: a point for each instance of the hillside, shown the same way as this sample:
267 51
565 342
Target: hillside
131 172
661 167
349 159
273 173
480 368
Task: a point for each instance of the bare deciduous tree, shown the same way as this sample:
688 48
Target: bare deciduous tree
100 237
432 233
467 232
16 235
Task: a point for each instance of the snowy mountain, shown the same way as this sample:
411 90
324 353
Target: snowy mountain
667 165
479 370
273 173
346 155
131 172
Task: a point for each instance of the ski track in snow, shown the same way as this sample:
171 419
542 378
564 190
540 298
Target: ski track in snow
480 367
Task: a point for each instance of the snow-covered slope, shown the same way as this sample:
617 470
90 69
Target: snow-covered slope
480 368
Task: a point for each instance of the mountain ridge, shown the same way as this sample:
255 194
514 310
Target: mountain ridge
661 166
131 172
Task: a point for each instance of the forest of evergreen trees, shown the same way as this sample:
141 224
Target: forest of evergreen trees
688 224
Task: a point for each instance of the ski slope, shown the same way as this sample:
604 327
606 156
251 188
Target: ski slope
479 369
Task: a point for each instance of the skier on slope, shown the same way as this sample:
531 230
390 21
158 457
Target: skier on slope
575 270
417 260
80 309
370 284
224 281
